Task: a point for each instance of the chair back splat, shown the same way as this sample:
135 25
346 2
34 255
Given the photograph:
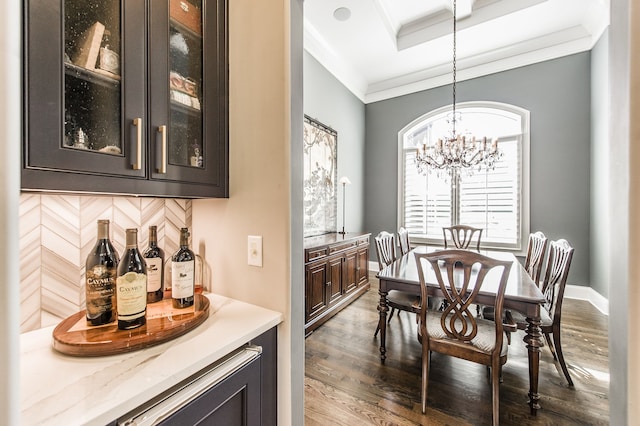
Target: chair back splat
555 280
403 240
461 236
536 250
455 331
385 249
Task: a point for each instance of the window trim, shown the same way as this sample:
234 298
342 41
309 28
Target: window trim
525 227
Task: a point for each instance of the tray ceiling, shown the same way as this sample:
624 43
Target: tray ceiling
385 48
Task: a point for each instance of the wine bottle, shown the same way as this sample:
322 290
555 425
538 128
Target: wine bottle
132 285
100 278
154 258
183 273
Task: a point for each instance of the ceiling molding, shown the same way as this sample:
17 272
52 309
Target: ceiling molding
390 48
439 24
337 66
552 46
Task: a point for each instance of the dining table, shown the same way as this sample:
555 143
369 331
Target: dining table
521 295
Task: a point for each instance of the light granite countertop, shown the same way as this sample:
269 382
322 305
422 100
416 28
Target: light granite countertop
58 389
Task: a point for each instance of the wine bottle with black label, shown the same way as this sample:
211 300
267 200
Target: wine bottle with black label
132 285
100 278
183 273
154 258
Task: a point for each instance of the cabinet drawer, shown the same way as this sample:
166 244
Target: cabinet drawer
363 241
341 247
313 254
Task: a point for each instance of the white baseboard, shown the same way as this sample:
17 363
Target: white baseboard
579 292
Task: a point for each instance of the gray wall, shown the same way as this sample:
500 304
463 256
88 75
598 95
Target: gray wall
557 93
330 102
600 170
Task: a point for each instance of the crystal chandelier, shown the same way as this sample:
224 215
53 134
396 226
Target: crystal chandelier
457 152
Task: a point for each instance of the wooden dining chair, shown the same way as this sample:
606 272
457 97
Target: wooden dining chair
536 250
403 240
462 236
455 331
552 286
396 299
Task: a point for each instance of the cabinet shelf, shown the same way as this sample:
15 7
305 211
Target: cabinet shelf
101 78
186 109
185 30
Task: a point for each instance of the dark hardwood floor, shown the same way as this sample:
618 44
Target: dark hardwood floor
346 384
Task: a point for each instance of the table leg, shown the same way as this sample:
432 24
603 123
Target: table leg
534 342
382 323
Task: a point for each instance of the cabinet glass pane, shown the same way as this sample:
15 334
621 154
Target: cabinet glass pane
92 95
185 144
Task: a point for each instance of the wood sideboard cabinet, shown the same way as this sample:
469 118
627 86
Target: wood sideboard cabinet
336 273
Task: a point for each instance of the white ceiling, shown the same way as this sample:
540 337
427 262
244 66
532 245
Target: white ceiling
388 48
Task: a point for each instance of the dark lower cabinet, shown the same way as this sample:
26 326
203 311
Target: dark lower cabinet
246 397
234 401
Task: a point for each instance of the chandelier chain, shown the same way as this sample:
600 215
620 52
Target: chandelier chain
454 67
456 152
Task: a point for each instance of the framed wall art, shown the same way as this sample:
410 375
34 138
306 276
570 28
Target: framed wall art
320 178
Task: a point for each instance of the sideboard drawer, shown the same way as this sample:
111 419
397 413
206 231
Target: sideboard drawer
340 247
313 254
363 241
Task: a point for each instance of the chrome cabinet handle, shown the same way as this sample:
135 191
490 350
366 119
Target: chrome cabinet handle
137 165
162 167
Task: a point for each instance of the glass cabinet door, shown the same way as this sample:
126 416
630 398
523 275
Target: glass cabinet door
79 118
188 91
185 144
92 80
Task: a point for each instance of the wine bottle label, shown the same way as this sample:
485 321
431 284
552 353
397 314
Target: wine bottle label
100 290
182 279
132 295
154 273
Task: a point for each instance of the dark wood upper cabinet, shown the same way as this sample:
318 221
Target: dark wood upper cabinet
126 97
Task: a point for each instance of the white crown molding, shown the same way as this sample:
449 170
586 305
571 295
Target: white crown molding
439 24
569 41
340 69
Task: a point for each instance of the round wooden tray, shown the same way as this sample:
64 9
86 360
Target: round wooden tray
74 337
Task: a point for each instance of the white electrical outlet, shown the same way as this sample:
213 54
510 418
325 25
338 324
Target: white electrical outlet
254 250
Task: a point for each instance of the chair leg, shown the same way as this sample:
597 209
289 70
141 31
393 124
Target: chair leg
393 310
496 372
563 364
547 336
377 329
425 377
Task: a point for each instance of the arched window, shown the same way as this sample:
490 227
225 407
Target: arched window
495 200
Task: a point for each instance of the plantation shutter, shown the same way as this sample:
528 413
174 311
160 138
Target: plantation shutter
490 199
427 201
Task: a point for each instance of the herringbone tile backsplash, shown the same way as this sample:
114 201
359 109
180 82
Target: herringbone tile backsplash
58 231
